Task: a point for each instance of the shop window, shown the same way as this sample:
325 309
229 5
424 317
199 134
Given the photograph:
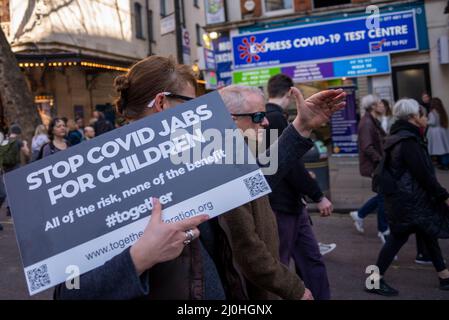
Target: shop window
45 108
138 20
328 3
198 35
150 26
163 8
277 6
411 81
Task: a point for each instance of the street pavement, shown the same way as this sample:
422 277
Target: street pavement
346 264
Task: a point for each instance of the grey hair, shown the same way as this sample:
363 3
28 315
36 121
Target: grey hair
369 101
405 108
235 99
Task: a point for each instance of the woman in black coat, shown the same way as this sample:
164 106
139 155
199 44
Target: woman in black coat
415 202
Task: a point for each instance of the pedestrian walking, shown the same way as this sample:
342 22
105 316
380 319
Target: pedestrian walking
57 131
89 133
370 142
74 136
297 239
415 201
387 118
438 133
39 139
101 125
12 149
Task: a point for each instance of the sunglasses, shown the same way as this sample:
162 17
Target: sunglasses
256 117
170 95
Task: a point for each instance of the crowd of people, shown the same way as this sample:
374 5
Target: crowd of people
60 134
396 154
266 249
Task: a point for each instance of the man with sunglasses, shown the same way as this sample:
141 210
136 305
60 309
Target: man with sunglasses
251 241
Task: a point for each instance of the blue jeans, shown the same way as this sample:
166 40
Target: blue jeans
444 159
376 202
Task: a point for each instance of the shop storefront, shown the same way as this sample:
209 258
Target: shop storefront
386 54
70 85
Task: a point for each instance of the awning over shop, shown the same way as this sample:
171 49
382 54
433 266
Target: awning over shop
66 60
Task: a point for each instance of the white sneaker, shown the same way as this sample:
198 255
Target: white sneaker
326 248
382 235
358 222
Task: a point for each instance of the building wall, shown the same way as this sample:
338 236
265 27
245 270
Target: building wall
299 6
70 87
438 25
100 27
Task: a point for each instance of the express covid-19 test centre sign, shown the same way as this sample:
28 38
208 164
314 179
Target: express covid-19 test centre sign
82 206
396 32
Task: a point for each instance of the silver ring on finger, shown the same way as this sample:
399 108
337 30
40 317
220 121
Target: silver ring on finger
189 236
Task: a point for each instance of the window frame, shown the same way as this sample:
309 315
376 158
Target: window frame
163 5
138 20
151 37
277 12
334 5
198 35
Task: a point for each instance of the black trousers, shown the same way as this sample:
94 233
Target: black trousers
396 240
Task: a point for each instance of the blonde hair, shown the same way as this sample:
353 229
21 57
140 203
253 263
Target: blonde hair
71 125
40 129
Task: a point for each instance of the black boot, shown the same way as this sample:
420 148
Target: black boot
444 284
384 289
1 227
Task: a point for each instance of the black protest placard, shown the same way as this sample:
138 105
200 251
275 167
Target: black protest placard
80 207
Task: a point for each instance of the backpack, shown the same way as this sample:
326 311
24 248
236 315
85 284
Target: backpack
9 154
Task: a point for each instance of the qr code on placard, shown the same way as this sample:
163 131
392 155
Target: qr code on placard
256 185
38 277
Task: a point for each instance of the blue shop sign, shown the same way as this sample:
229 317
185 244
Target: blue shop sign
223 60
362 66
397 32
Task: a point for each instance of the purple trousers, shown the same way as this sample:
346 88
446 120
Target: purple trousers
297 241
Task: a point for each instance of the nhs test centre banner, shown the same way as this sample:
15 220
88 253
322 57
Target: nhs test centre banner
397 32
82 206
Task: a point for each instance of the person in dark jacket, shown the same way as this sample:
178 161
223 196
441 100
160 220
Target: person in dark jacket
18 149
74 136
297 239
101 125
415 201
370 142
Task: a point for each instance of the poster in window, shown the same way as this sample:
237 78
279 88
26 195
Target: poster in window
215 11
